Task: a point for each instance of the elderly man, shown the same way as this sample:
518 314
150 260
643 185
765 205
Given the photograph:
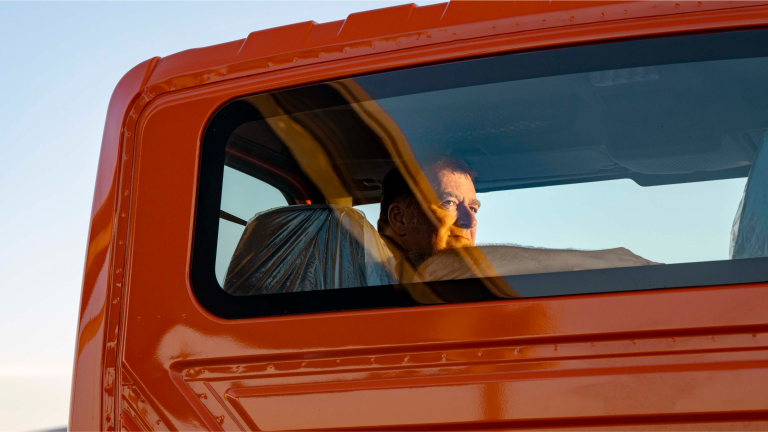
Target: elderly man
442 246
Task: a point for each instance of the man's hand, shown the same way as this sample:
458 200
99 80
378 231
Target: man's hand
492 261
609 258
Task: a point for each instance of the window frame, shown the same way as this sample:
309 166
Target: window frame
698 47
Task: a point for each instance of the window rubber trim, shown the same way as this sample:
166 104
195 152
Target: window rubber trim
552 61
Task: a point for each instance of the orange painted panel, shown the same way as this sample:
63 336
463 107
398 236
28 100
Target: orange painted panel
591 393
150 357
545 384
95 357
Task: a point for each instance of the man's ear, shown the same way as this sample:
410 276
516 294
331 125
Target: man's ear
396 216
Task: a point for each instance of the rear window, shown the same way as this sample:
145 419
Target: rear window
613 167
242 196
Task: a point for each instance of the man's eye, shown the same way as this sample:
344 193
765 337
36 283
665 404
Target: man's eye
449 203
474 209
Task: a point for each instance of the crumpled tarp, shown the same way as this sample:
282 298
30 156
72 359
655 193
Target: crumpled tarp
749 236
308 248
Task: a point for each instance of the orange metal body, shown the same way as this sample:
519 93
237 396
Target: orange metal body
149 357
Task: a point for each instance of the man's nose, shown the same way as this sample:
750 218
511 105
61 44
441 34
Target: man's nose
465 217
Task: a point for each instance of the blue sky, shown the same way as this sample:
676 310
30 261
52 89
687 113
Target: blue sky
60 63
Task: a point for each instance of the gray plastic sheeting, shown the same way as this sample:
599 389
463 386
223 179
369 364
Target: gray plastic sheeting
749 236
308 248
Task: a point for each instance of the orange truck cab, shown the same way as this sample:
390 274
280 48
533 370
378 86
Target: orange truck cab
242 272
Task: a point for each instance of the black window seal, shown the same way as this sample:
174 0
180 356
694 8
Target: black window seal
717 45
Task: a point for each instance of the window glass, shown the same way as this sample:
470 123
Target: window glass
683 223
611 167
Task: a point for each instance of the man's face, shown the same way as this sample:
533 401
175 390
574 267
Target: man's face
454 212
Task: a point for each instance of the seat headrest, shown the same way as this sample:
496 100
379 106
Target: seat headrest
749 235
307 248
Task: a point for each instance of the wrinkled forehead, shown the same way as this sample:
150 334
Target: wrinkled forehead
442 179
